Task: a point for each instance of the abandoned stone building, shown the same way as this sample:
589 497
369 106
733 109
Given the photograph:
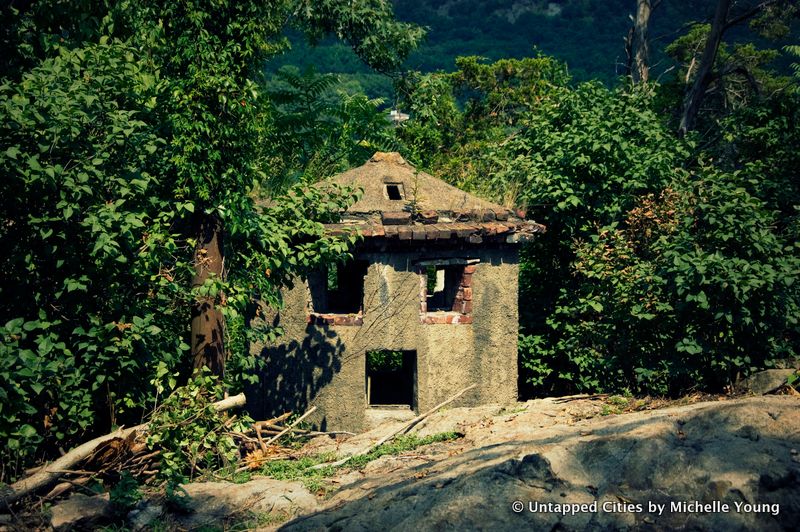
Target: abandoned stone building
426 307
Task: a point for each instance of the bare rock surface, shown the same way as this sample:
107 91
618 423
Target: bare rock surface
80 512
650 470
766 381
214 502
724 464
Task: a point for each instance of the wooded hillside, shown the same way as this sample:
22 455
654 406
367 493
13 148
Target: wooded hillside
156 166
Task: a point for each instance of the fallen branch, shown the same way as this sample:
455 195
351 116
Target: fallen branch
260 439
402 430
290 427
234 401
273 428
275 420
311 433
51 472
59 489
411 424
568 398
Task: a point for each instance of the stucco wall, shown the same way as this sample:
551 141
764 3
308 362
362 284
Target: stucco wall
325 365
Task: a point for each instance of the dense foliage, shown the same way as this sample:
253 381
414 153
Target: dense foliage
320 129
125 127
670 263
192 437
587 35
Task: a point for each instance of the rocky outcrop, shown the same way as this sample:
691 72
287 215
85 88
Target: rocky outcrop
80 512
764 382
211 503
709 466
546 464
208 505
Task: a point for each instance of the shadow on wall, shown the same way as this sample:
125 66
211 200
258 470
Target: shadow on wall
294 372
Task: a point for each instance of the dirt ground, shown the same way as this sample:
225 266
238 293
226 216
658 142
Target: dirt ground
703 462
575 463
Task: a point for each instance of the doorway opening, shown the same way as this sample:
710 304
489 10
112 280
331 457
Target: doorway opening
391 378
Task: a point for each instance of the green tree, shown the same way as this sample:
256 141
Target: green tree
455 116
208 54
659 272
319 129
694 289
133 134
770 18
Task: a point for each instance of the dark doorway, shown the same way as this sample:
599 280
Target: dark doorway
391 377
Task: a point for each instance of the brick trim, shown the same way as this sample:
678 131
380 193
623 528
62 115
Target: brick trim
442 318
335 319
462 304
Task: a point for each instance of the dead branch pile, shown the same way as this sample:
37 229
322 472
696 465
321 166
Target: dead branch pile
108 457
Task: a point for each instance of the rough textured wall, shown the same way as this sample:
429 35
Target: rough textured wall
325 364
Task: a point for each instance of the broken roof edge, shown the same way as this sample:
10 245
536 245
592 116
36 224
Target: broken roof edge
509 232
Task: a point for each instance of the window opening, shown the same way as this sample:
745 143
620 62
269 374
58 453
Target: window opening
390 378
443 283
339 288
394 191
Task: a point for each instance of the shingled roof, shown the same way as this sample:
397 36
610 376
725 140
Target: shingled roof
441 212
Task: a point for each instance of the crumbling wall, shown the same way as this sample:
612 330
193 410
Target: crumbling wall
324 364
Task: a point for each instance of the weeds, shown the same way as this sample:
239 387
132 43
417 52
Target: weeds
399 445
302 469
615 404
255 521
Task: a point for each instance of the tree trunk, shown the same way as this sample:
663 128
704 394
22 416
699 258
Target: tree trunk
640 61
693 99
208 324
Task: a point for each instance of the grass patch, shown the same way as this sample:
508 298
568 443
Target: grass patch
615 404
302 469
253 521
399 445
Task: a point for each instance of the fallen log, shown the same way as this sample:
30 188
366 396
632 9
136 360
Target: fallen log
53 471
234 401
59 489
402 430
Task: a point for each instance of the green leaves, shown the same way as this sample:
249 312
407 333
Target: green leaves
683 303
367 25
79 169
658 273
318 130
189 433
121 123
